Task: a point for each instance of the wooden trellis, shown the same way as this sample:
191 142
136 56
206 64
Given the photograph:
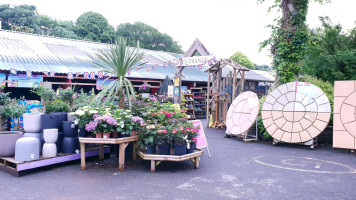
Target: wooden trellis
218 85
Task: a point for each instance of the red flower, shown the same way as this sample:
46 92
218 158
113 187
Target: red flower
168 115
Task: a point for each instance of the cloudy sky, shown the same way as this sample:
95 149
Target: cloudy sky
224 26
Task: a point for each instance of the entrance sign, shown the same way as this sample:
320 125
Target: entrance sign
196 60
201 139
23 81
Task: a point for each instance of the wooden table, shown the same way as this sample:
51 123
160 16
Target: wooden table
157 159
123 142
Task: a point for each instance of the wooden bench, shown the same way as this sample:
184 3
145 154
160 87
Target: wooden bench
157 159
123 142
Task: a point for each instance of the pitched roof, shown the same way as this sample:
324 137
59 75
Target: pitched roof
38 53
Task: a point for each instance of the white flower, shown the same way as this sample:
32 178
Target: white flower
93 111
76 121
79 112
122 124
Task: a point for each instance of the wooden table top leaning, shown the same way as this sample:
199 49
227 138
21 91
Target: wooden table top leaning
157 159
123 142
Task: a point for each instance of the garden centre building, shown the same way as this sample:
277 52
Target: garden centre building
27 59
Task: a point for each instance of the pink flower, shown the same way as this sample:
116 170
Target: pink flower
174 130
195 139
164 131
168 115
181 128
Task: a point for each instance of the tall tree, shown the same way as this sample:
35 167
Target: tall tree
148 36
21 17
93 26
289 38
331 54
243 60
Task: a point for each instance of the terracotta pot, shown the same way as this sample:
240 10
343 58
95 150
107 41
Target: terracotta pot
115 135
106 135
98 135
133 133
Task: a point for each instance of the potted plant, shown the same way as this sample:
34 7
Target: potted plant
163 139
102 125
147 138
144 90
14 111
136 123
179 138
83 116
192 133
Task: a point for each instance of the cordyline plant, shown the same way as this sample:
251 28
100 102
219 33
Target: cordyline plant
117 60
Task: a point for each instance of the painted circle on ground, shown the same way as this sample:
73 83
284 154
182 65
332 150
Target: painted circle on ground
296 112
242 113
305 164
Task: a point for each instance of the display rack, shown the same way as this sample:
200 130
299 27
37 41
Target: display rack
199 102
189 103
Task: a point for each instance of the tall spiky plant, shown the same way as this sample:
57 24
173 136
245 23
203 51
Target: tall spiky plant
117 60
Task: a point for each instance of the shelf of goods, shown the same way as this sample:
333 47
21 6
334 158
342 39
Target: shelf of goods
200 104
189 105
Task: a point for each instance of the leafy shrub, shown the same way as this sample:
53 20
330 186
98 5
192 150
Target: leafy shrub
4 98
47 94
57 106
12 110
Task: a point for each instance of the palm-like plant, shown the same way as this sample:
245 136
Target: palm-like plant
117 60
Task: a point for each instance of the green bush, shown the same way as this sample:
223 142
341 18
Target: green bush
4 98
57 106
12 110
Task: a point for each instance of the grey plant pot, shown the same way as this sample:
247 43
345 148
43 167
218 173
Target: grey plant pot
8 142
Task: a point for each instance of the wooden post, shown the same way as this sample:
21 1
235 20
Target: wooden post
82 156
101 152
134 153
207 101
196 163
122 156
234 85
242 81
153 166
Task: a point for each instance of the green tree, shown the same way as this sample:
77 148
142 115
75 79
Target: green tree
21 17
289 38
95 27
243 60
262 67
331 54
148 36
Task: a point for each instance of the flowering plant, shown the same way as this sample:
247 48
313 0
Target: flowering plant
147 136
101 124
84 115
192 132
145 87
124 119
179 135
163 136
137 122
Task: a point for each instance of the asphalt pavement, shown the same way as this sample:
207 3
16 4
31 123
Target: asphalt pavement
235 170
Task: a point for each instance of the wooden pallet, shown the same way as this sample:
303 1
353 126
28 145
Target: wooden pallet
157 159
11 166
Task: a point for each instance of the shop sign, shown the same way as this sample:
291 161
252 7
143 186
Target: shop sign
196 60
23 81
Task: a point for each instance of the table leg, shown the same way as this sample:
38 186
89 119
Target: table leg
153 166
196 164
122 156
101 152
134 153
82 156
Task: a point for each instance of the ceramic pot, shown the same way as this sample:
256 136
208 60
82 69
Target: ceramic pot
70 144
98 135
32 122
106 135
164 149
49 150
27 149
82 132
150 149
180 149
50 135
8 142
50 121
59 142
70 129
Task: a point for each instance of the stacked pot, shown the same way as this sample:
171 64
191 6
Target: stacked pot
70 140
53 121
32 126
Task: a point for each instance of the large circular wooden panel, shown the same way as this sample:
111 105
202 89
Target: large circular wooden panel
296 112
242 113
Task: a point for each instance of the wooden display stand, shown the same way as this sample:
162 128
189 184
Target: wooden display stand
157 159
11 166
123 142
190 101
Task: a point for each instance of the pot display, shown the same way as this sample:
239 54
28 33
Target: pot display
70 129
150 149
62 117
180 149
70 144
32 122
8 142
27 149
82 132
192 146
49 148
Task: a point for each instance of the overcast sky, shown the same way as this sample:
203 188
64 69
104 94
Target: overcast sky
224 26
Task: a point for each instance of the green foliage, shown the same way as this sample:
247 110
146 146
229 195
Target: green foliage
261 127
289 39
243 60
262 67
331 54
18 17
82 99
4 98
12 110
57 106
95 27
148 36
47 94
118 60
